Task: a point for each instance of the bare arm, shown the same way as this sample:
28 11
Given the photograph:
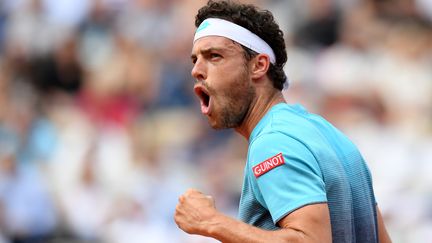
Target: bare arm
196 214
382 232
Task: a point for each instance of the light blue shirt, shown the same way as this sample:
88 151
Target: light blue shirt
319 164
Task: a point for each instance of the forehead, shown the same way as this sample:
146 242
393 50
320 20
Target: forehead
215 42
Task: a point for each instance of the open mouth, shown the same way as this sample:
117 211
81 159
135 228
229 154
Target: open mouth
204 97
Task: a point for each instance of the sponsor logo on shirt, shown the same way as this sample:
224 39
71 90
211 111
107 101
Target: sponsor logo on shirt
268 165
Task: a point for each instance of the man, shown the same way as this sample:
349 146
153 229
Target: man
304 180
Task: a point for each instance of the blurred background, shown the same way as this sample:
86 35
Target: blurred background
100 132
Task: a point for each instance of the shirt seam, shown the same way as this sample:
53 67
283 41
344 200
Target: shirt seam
281 213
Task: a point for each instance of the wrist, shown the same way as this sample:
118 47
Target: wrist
215 225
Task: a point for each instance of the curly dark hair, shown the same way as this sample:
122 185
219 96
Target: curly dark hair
260 22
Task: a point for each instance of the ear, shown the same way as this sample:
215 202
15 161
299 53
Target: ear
259 66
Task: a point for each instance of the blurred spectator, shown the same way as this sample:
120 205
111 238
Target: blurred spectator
59 71
28 212
320 27
85 206
96 37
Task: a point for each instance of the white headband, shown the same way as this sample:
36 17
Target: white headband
220 27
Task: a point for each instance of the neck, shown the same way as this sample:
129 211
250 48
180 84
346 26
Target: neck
260 106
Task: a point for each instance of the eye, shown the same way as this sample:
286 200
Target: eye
215 56
194 60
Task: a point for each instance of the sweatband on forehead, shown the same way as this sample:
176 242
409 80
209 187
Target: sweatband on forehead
237 33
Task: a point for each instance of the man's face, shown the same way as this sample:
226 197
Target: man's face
222 81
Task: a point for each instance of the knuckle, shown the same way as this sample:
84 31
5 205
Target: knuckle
190 191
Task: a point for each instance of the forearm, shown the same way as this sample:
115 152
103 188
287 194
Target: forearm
196 214
229 230
382 231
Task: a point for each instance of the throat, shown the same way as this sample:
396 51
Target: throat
257 111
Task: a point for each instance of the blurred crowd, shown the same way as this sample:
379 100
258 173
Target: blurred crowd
100 131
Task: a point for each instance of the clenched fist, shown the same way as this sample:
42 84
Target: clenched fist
195 212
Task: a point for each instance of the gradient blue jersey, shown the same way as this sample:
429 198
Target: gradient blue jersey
295 159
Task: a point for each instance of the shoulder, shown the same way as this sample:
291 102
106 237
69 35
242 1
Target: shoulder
290 130
291 120
282 146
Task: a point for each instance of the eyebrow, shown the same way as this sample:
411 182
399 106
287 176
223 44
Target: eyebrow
207 51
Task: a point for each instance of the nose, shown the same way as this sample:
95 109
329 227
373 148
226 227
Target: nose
198 70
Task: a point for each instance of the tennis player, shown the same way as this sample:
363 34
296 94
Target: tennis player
304 181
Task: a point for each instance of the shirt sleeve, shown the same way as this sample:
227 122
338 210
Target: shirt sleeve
295 183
